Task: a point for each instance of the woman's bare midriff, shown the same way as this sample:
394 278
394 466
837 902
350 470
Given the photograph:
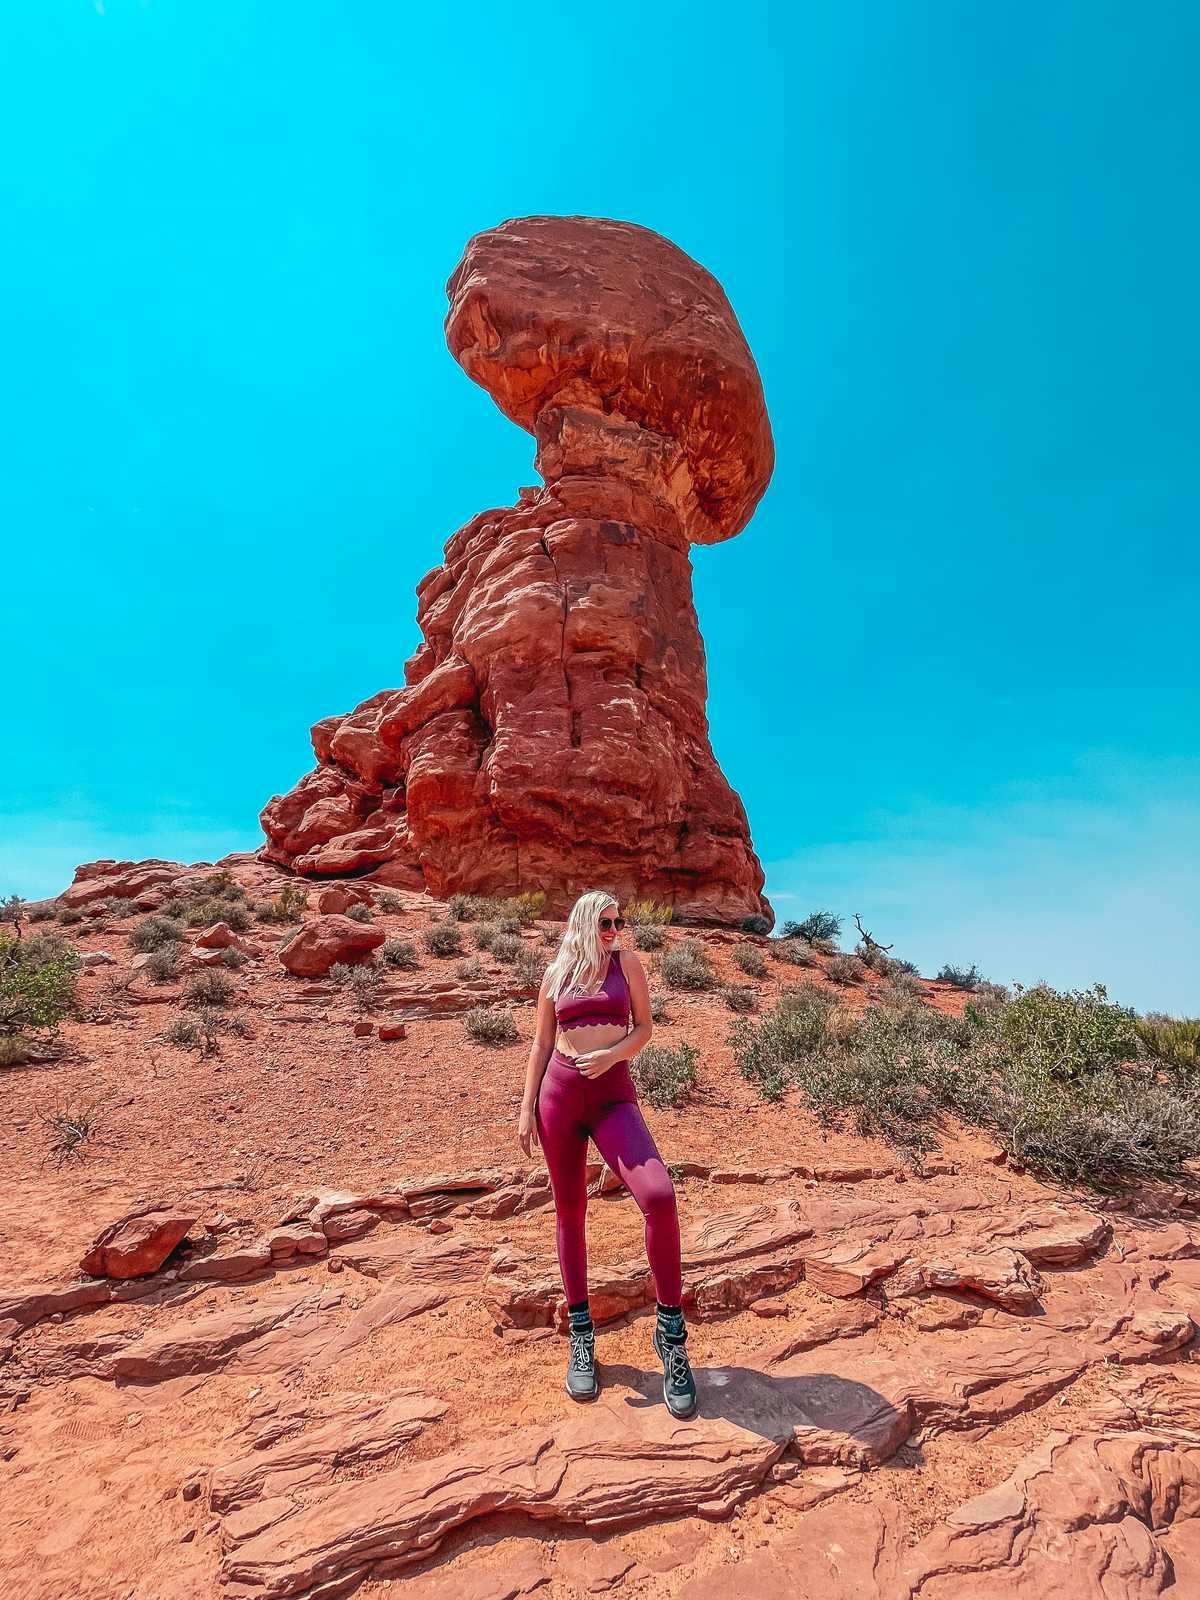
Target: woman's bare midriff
592 1036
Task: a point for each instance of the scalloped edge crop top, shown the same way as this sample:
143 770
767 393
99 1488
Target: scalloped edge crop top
609 1005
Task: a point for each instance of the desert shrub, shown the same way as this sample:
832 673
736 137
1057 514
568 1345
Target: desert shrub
400 953
817 925
469 969
649 936
640 912
907 983
527 905
740 996
233 958
1066 1035
115 905
359 913
68 915
362 982
845 969
15 1051
44 912
208 988
892 1076
181 1030
665 1076
658 1008
529 966
482 935
490 1025
552 935
459 908
794 952
756 923
796 1027
389 900
507 947
687 966
163 964
509 924
877 959
38 977
1174 1040
960 977
156 933
443 939
287 906
750 959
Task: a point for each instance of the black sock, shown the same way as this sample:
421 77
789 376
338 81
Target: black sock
670 1320
579 1317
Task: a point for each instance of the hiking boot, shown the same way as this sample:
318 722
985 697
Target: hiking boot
581 1368
679 1386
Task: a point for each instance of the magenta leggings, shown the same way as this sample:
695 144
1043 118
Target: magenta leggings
569 1108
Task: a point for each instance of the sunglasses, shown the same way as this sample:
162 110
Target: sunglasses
612 922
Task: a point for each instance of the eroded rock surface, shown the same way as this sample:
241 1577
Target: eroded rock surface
552 729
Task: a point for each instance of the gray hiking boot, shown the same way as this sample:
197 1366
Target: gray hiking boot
581 1368
679 1386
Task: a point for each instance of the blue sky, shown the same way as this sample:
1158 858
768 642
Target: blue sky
951 660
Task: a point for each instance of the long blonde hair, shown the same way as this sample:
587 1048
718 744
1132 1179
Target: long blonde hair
581 958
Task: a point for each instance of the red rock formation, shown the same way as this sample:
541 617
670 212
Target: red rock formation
552 732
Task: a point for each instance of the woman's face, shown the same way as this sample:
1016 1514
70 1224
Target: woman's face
608 934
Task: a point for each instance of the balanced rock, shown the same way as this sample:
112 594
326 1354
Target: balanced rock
324 941
552 730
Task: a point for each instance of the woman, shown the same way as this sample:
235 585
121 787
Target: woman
584 1007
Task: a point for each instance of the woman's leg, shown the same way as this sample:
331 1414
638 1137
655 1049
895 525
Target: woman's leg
627 1144
558 1113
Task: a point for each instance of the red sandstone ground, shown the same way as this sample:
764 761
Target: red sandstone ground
410 1439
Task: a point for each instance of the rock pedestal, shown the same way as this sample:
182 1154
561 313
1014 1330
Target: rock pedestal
552 732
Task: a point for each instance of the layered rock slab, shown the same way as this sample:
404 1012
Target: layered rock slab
552 730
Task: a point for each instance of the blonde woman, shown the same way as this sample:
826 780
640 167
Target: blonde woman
578 1083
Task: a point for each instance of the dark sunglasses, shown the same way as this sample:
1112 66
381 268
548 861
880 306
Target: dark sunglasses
612 922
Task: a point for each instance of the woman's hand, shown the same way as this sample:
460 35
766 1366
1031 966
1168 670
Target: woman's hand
593 1063
527 1134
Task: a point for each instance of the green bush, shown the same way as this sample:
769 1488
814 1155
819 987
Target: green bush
655 912
665 1077
796 1027
750 959
459 908
483 933
960 977
490 1025
443 939
469 969
156 933
756 923
817 925
687 966
116 906
38 978
649 936
1175 1040
400 953
1066 1035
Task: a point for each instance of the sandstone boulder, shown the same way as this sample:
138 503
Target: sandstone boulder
322 942
137 1244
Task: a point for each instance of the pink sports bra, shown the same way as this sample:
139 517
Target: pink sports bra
610 1005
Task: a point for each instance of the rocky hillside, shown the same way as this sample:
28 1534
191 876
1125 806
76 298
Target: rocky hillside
280 1307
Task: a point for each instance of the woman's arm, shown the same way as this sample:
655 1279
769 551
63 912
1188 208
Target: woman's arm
592 1062
544 1033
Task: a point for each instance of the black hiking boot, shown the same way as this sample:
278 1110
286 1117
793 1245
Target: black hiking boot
670 1341
581 1367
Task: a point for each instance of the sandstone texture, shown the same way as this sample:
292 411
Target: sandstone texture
552 733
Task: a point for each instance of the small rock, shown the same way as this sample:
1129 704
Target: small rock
363 1029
